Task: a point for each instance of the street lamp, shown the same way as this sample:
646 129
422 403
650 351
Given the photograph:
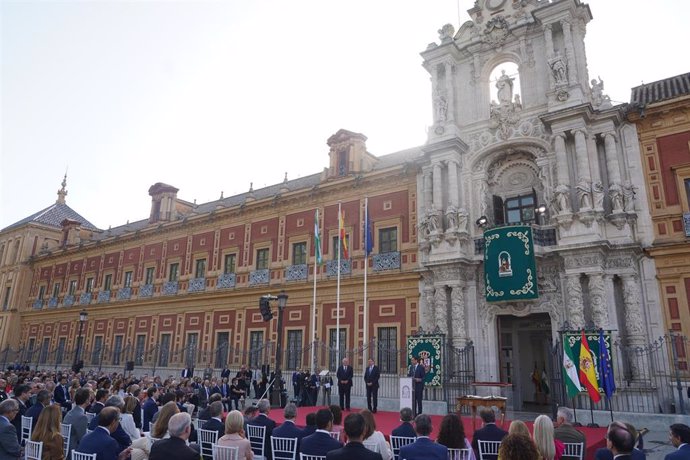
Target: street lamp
276 393
83 315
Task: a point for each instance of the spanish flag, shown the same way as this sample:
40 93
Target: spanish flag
343 236
588 377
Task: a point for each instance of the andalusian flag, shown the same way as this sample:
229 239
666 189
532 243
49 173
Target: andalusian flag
317 239
587 375
343 239
572 383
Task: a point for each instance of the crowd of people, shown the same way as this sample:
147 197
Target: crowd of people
124 417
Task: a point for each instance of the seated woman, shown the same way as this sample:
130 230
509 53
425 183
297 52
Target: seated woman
127 420
47 431
234 436
452 435
548 447
518 447
371 436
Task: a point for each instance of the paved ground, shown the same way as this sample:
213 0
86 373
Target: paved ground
657 445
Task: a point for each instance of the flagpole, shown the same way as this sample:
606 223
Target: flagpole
313 307
337 292
366 270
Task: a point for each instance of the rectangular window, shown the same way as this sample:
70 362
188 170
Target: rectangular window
200 271
262 259
97 350
334 356
117 350
89 285
6 300
128 279
387 352
229 266
520 209
687 189
149 275
338 248
72 287
173 272
164 350
299 253
222 344
256 343
192 344
294 350
56 290
388 240
30 350
41 292
43 357
60 352
108 282
139 350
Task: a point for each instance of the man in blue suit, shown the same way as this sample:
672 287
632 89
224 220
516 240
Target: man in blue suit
61 393
423 448
100 442
288 429
262 420
405 430
418 373
118 434
489 432
371 378
42 400
215 423
680 438
606 453
9 445
321 442
150 407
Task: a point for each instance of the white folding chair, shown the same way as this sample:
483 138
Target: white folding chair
488 450
26 428
224 452
335 435
284 448
197 424
89 417
458 454
79 456
207 438
574 450
33 450
311 457
257 437
397 442
372 446
66 432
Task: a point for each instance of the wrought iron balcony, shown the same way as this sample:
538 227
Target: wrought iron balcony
146 290
542 236
259 277
386 261
296 272
226 281
68 301
686 223
52 302
104 297
332 267
38 304
85 298
124 293
170 287
197 285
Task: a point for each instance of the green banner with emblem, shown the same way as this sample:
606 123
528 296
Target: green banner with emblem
510 269
429 350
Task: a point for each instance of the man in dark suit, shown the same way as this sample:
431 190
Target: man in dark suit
405 430
620 442
99 403
344 375
119 434
100 441
489 432
605 453
371 378
22 393
205 413
61 393
262 420
204 393
215 423
680 438
321 442
417 372
150 408
225 373
188 373
9 443
354 449
3 392
208 372
423 448
42 400
288 429
179 427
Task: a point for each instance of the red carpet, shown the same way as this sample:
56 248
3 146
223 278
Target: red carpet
387 421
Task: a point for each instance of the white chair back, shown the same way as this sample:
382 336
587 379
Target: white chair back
79 456
311 457
284 448
66 432
197 424
397 442
207 438
372 446
574 450
458 454
335 435
224 452
257 436
488 450
33 450
26 428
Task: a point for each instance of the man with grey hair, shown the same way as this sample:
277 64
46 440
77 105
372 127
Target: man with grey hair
262 420
288 429
9 445
179 427
215 423
565 431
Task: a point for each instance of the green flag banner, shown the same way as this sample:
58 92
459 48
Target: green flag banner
510 269
429 350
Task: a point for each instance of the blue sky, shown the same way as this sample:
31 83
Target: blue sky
209 96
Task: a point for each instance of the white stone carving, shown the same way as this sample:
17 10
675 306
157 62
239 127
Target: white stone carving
575 305
599 99
441 302
597 298
458 312
561 199
559 70
446 33
495 31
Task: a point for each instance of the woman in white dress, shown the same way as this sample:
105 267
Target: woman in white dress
372 437
127 420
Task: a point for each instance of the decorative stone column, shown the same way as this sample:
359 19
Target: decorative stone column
450 96
428 319
597 297
457 298
441 314
575 307
548 38
427 184
634 325
437 187
569 52
584 190
614 173
562 190
453 189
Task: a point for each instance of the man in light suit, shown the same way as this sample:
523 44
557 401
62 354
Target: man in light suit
423 448
344 375
321 442
354 449
371 378
417 373
9 445
680 438
77 417
100 441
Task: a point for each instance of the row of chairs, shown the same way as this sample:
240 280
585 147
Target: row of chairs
33 450
489 450
27 428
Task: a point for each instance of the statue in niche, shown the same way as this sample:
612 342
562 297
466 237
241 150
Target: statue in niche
518 103
441 107
559 70
462 220
628 197
505 88
583 195
424 230
452 217
562 199
434 221
598 194
616 196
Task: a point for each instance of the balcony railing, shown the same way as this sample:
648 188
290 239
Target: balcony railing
170 287
146 290
296 272
38 304
53 302
124 293
197 285
542 236
386 261
104 297
332 267
259 277
226 281
85 298
68 301
686 223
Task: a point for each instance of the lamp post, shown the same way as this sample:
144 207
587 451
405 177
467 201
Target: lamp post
83 315
275 394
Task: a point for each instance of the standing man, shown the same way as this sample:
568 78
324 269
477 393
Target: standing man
344 376
418 374
208 372
371 378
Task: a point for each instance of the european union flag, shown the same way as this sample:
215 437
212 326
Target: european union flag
607 383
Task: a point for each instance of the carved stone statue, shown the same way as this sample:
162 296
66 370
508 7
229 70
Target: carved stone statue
445 33
584 195
462 220
441 302
518 103
429 317
628 197
452 217
434 221
599 99
441 107
424 230
616 196
574 302
559 69
598 194
505 88
562 199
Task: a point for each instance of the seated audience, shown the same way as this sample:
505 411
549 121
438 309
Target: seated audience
679 434
548 447
354 449
519 427
405 429
100 440
263 420
127 420
47 431
488 432
159 430
215 423
518 447
605 453
321 442
564 430
452 434
9 444
179 428
235 436
423 447
288 429
337 418
372 436
77 417
311 424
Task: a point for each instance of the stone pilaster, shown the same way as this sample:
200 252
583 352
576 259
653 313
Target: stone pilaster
574 303
429 314
584 180
569 52
450 94
441 313
453 183
457 297
438 187
597 297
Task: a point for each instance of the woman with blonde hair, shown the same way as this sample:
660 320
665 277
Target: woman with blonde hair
127 421
234 436
371 436
548 447
47 431
519 427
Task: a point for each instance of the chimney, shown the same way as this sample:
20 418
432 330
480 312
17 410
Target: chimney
163 200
